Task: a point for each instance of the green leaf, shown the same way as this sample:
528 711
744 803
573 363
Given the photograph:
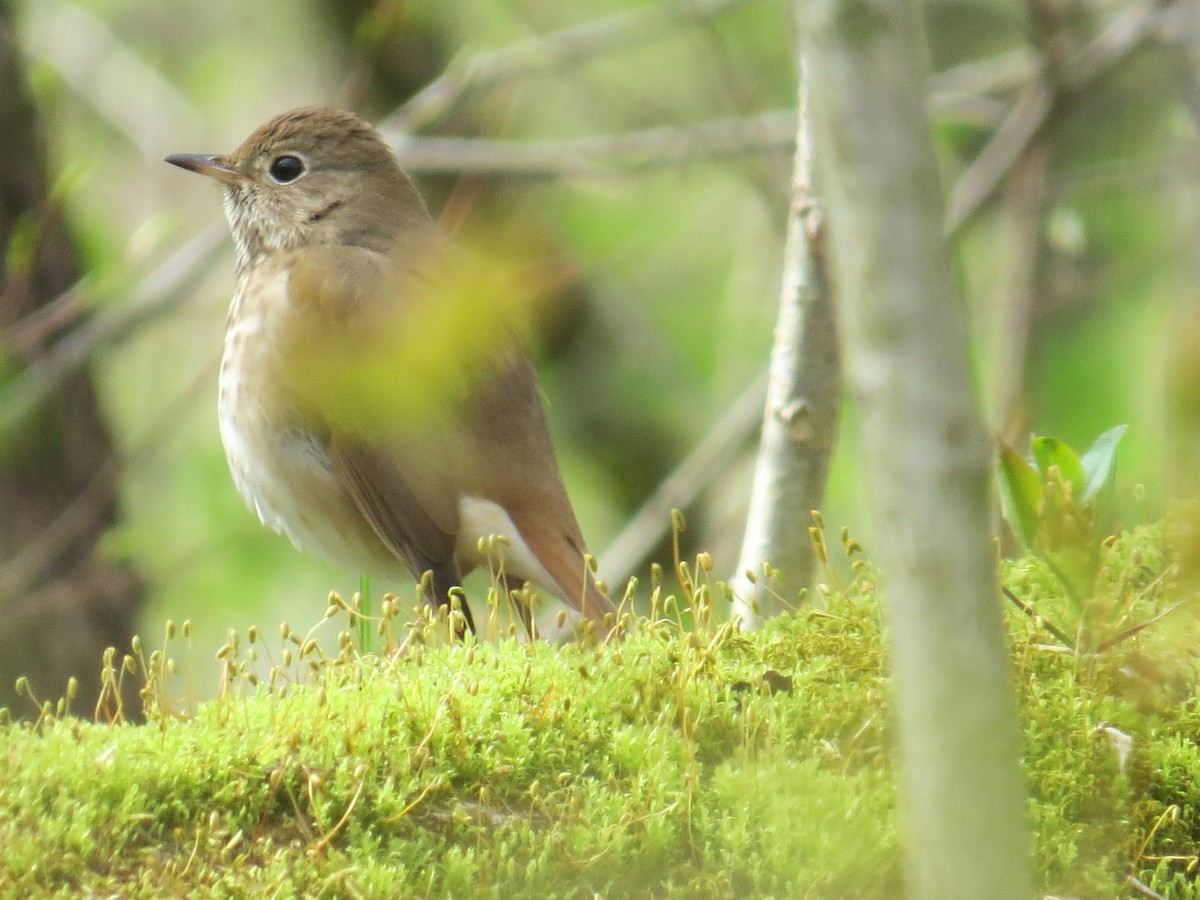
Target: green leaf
1049 452
1020 494
1099 462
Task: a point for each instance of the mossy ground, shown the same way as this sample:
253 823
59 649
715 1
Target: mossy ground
678 762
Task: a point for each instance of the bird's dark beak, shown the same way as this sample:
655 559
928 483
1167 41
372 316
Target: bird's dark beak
205 164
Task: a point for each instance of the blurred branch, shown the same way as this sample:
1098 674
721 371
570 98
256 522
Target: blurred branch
1017 261
1142 888
574 44
969 85
1128 30
1125 32
601 155
157 294
709 458
1181 33
20 573
982 177
130 95
963 91
87 511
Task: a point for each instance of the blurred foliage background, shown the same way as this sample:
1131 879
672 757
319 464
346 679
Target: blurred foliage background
1076 252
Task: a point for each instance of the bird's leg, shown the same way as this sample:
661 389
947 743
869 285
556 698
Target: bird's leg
445 578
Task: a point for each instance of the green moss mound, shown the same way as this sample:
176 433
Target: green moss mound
701 763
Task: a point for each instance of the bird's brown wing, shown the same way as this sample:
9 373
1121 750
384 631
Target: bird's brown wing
485 434
522 475
394 470
409 511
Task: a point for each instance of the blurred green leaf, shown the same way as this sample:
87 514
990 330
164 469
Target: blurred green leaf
1020 494
22 244
1049 452
1099 462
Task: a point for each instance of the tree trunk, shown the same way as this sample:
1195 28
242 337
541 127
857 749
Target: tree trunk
925 458
60 604
800 419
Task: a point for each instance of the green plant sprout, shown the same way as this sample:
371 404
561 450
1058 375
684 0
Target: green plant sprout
1055 503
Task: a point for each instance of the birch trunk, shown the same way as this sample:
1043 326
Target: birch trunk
925 458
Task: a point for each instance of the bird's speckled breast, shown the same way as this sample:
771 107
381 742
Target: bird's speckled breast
279 465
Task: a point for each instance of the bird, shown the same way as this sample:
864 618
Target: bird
354 419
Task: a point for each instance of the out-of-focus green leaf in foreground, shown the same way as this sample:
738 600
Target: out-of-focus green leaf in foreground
1056 505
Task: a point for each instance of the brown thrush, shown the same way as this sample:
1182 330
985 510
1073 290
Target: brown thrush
336 432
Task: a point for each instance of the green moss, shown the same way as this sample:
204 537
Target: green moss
677 763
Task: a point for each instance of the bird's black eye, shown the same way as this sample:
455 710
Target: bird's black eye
286 169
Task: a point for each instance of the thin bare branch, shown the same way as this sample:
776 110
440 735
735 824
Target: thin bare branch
574 44
1013 285
21 572
1036 617
981 179
130 95
612 154
968 83
1142 888
159 293
709 458
1129 632
1128 30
